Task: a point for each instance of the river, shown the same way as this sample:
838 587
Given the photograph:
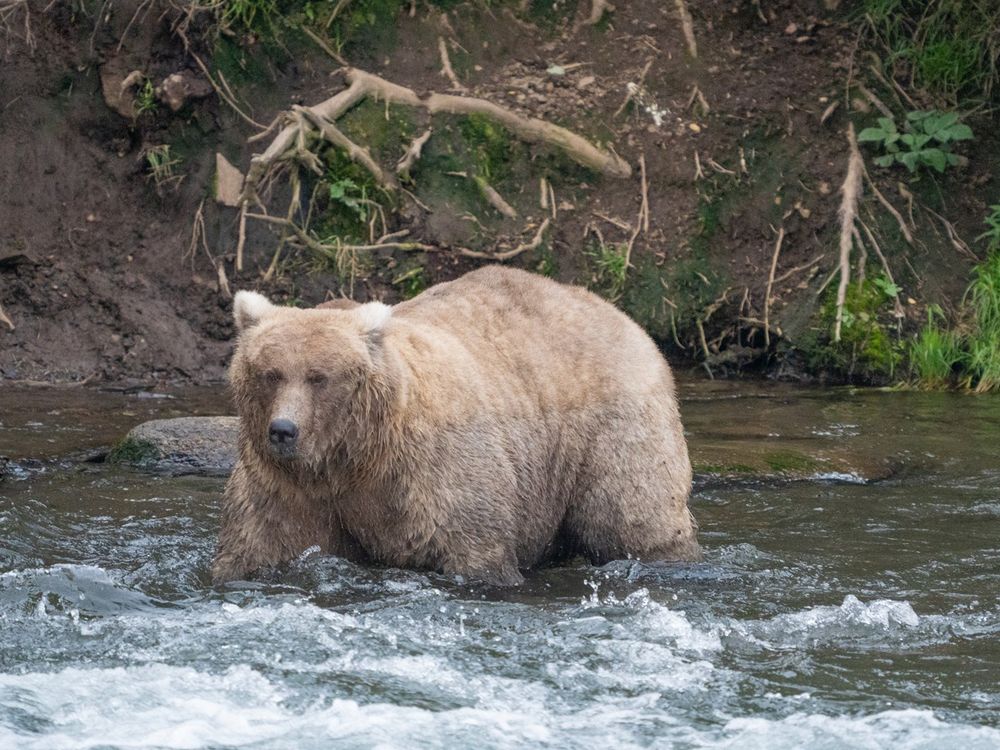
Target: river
849 598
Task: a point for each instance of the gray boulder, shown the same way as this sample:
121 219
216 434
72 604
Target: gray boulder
186 445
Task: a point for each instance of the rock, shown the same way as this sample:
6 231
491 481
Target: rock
228 182
186 445
118 86
179 88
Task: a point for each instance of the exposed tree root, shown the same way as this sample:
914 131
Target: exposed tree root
412 155
851 195
687 24
6 320
770 285
354 152
489 193
446 70
363 85
294 147
9 10
597 10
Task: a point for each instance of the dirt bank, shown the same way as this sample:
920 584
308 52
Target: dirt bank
739 142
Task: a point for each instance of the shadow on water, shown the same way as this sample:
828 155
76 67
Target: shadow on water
849 597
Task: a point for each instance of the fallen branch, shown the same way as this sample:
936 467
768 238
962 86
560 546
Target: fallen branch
770 285
851 192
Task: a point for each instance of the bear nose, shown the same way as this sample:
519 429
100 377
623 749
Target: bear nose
283 432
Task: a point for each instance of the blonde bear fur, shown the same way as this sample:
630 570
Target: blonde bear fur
486 426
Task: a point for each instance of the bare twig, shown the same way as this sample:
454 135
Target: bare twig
770 285
688 26
792 271
644 209
885 267
446 70
508 254
889 207
956 241
323 45
242 239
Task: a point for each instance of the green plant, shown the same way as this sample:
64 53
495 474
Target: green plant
349 194
249 15
950 48
609 269
992 235
926 141
936 351
983 344
145 98
162 164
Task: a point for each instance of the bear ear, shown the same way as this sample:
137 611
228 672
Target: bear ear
373 317
249 308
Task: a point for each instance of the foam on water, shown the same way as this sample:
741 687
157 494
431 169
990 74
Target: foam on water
826 614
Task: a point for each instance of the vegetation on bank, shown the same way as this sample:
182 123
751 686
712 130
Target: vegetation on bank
921 74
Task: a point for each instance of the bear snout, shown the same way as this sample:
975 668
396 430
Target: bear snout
283 434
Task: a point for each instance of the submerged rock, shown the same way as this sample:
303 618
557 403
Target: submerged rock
186 445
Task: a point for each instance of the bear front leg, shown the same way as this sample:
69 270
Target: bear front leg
494 566
265 523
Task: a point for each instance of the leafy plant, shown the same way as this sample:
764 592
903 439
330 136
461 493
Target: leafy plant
145 99
926 140
349 194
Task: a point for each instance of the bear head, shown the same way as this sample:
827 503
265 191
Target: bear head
305 381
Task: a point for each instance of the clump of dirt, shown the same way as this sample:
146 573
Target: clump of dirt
117 261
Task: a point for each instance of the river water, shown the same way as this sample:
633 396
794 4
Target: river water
849 598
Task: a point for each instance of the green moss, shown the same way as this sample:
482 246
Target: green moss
869 348
133 452
725 469
489 144
789 462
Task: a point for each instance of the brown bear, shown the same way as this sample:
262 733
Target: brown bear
487 425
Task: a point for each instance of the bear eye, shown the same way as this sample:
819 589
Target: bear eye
272 377
316 379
